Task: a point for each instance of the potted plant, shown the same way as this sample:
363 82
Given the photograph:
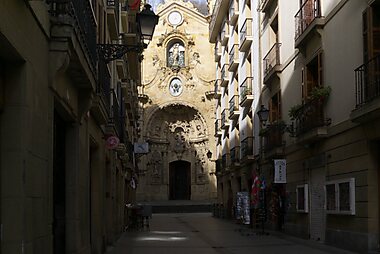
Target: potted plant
294 111
320 93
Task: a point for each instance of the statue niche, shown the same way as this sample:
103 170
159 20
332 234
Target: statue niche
176 54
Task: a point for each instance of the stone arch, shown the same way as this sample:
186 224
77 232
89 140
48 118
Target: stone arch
157 129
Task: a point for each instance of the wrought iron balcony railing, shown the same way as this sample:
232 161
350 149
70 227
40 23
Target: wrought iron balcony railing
234 57
234 105
234 11
272 58
218 124
273 135
83 22
367 79
225 161
246 146
103 88
217 90
224 75
246 90
225 120
235 155
246 35
309 116
310 10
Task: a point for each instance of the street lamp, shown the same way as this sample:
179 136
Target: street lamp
263 114
146 22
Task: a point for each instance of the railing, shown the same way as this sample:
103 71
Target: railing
224 72
104 85
235 154
246 29
116 114
234 53
225 162
217 87
214 15
367 79
84 24
116 5
273 136
309 116
272 58
310 10
234 104
246 88
246 147
224 118
218 166
218 124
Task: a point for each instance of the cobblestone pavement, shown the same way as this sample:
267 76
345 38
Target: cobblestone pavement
200 233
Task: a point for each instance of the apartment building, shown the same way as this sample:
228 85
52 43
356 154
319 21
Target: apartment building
68 122
315 68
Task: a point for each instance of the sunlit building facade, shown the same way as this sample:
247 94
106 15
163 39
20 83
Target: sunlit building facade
314 67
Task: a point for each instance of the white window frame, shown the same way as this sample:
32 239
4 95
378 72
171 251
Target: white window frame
306 199
337 210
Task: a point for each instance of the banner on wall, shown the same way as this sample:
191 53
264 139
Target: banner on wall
279 171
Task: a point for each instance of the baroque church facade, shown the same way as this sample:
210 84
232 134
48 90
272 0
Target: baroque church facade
177 101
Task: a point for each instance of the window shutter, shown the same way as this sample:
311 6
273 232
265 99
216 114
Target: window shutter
320 70
303 89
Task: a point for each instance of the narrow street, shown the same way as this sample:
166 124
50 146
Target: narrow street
202 234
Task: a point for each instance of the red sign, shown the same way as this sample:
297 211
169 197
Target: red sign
112 142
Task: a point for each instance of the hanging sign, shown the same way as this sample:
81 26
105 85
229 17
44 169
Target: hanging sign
279 171
112 142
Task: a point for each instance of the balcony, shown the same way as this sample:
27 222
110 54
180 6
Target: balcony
234 107
367 89
113 17
218 130
225 161
310 122
308 20
217 86
234 12
225 120
218 166
271 63
246 147
234 58
235 156
75 24
224 76
246 95
225 34
220 7
272 134
101 103
266 4
246 37
218 51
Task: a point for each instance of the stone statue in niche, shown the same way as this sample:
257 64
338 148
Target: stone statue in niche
157 130
156 164
179 142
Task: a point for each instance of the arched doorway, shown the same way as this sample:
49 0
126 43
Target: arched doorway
179 180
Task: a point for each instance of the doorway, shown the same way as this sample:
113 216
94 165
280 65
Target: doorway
317 203
179 180
59 185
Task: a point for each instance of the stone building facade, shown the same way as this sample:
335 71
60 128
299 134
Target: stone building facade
63 184
177 97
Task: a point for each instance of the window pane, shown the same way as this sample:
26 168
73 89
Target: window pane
301 198
330 197
344 196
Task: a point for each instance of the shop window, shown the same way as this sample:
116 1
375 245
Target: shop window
340 196
302 198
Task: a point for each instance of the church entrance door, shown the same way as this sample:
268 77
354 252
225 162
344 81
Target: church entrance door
180 180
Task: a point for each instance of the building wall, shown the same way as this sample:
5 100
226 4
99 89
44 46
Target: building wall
189 114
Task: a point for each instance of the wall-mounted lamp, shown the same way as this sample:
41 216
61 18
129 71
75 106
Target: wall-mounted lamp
146 22
263 114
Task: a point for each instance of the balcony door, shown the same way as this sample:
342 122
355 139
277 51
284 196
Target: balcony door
180 180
